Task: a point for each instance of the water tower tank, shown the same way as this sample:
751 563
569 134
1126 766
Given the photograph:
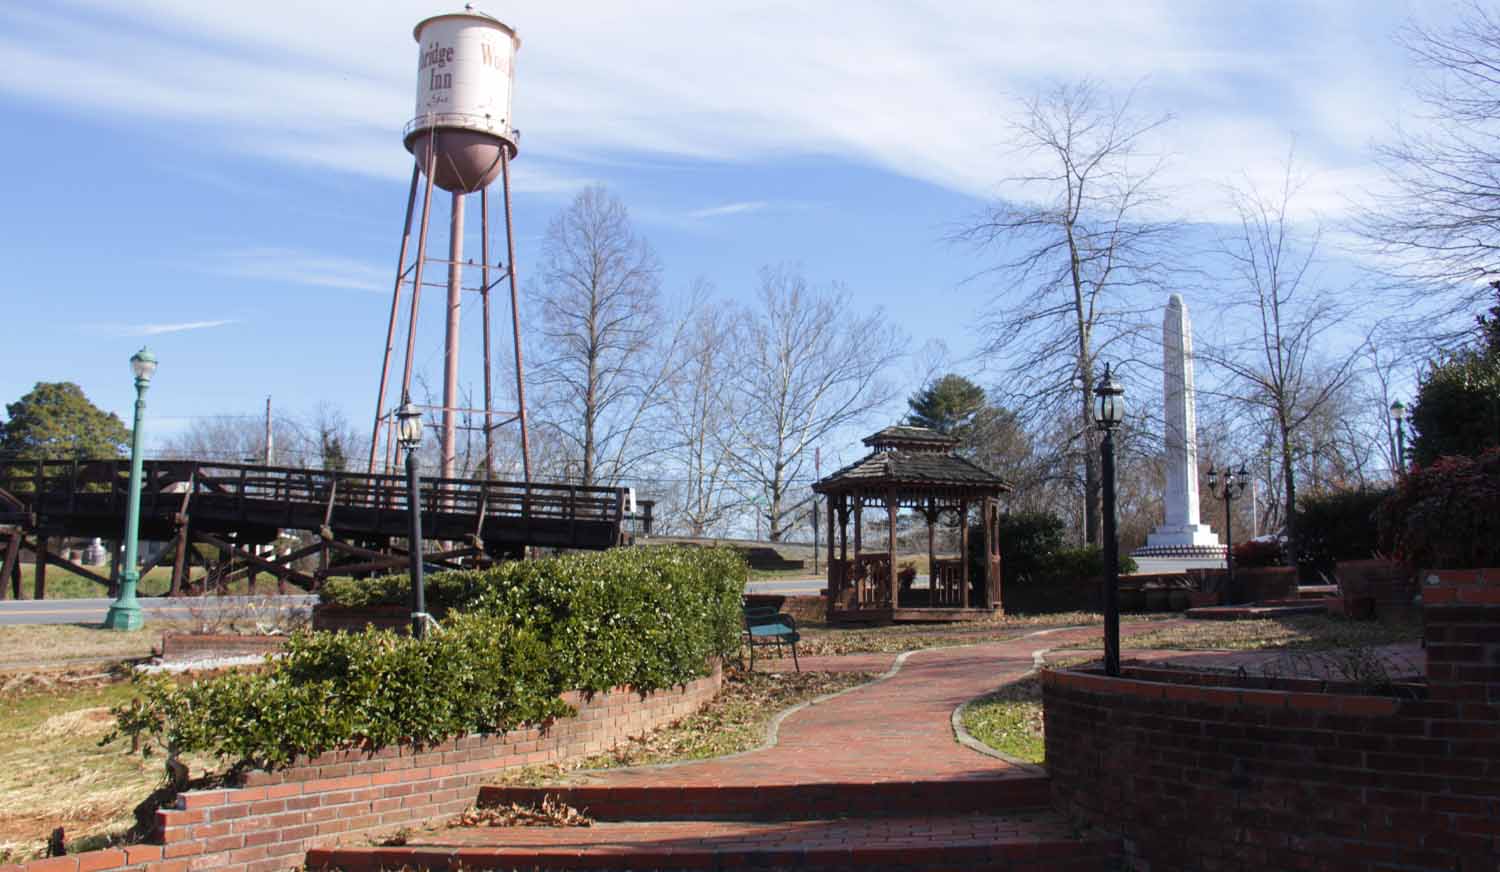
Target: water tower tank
465 63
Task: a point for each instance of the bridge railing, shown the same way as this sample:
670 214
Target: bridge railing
65 485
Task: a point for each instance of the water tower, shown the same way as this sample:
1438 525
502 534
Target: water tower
461 139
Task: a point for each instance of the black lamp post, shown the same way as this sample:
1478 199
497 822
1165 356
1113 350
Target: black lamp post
1226 487
1398 414
409 434
1111 412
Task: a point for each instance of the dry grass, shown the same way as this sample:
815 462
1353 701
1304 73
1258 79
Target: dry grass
54 774
1010 720
736 720
60 643
1298 632
818 638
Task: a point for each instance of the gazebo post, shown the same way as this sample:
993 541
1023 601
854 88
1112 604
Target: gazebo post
856 569
932 573
989 550
963 546
831 545
844 528
892 509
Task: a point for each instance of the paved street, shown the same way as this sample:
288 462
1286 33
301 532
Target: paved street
91 611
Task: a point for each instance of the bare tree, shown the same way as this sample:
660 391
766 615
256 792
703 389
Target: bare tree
604 363
699 416
1074 252
1282 368
1440 223
807 364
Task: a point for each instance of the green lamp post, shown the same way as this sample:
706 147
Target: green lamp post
125 612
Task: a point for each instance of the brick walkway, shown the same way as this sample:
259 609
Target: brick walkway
871 778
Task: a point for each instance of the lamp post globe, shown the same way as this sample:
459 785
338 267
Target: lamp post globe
125 612
1111 412
409 434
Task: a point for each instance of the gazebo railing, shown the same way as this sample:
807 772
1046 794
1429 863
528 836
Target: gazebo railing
948 583
873 577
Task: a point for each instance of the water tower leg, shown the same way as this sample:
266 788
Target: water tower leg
390 333
515 315
484 300
450 349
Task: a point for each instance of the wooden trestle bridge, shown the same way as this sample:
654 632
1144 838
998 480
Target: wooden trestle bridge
227 521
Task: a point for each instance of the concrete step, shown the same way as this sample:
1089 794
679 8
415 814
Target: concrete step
1032 841
1255 611
786 801
1317 591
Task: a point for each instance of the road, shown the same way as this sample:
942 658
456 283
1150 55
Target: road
92 611
790 586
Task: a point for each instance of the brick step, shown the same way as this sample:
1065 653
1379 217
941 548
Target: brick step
1029 841
776 802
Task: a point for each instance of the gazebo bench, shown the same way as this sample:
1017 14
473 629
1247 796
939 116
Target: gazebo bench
767 626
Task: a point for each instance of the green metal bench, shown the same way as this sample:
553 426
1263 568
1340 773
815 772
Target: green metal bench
766 626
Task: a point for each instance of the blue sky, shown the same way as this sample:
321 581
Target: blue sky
226 181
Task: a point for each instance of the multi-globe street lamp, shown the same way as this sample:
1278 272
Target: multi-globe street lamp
1227 486
409 435
125 611
1398 414
1111 412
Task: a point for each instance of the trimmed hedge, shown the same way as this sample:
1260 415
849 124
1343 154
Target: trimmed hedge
514 639
1338 525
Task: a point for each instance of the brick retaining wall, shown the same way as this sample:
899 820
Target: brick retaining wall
271 821
1244 778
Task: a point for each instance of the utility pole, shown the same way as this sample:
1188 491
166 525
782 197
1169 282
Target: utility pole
817 536
270 444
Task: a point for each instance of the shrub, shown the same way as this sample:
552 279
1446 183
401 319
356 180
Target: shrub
1086 561
1446 515
514 638
1258 552
1339 525
1027 542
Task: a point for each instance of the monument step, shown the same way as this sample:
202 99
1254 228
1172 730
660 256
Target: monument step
1258 611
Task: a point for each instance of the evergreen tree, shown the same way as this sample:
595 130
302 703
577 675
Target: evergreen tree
948 405
55 421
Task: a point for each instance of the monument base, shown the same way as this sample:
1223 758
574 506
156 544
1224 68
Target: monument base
1187 540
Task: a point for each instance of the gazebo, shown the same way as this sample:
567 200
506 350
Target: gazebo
918 469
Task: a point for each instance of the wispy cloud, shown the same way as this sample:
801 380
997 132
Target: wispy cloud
154 329
729 209
923 90
297 267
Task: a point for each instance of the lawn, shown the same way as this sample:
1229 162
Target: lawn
819 638
29 644
62 584
1010 720
1296 632
53 772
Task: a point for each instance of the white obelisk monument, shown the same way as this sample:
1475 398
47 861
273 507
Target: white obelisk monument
1180 535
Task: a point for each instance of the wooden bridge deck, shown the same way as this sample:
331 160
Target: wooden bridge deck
237 507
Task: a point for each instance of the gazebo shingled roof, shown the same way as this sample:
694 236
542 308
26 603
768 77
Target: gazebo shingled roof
918 469
911 456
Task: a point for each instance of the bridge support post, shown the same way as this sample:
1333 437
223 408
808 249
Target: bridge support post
39 579
10 573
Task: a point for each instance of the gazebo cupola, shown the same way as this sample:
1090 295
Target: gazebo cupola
917 469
